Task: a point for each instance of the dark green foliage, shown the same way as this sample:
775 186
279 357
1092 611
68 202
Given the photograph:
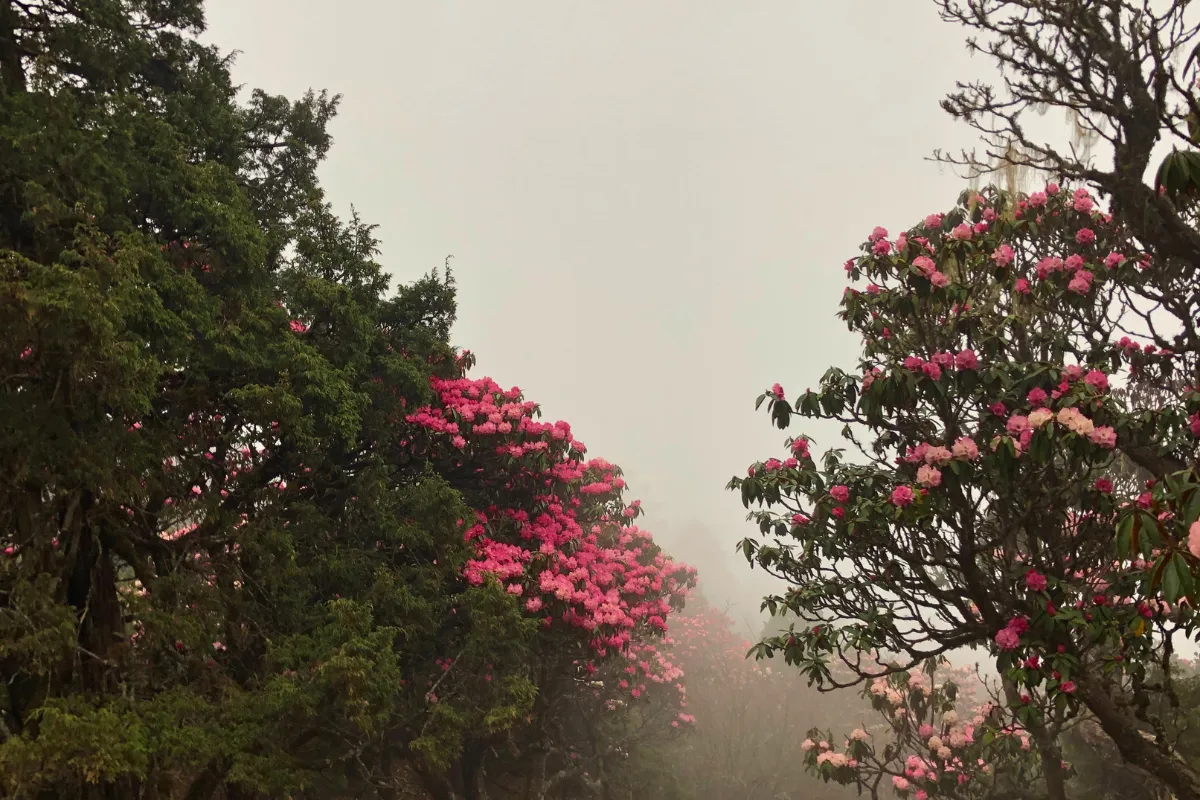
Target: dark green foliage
166 627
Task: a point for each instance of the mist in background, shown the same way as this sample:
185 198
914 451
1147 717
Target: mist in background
648 205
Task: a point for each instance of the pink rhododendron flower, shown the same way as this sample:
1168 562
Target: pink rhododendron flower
1003 255
934 221
1039 417
1097 380
1007 639
1017 424
929 476
1085 236
961 232
965 449
1104 436
1193 542
1022 286
777 391
902 496
840 493
939 280
966 359
1081 283
1035 581
938 456
925 265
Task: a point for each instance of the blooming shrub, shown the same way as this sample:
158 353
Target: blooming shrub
1018 491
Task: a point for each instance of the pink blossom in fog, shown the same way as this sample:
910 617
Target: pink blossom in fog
1113 260
1035 581
877 234
966 359
965 449
929 476
933 221
939 280
1085 236
1017 424
1081 283
1039 417
1007 639
840 493
777 390
925 265
1104 436
1193 542
961 232
1097 380
1022 286
938 456
902 496
1003 255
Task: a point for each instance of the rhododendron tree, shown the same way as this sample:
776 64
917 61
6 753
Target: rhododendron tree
992 505
940 733
552 528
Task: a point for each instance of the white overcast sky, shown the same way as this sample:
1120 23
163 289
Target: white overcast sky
648 203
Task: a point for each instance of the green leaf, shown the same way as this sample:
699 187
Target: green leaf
1125 529
1171 584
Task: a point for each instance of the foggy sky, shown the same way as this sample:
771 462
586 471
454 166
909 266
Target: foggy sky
648 203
